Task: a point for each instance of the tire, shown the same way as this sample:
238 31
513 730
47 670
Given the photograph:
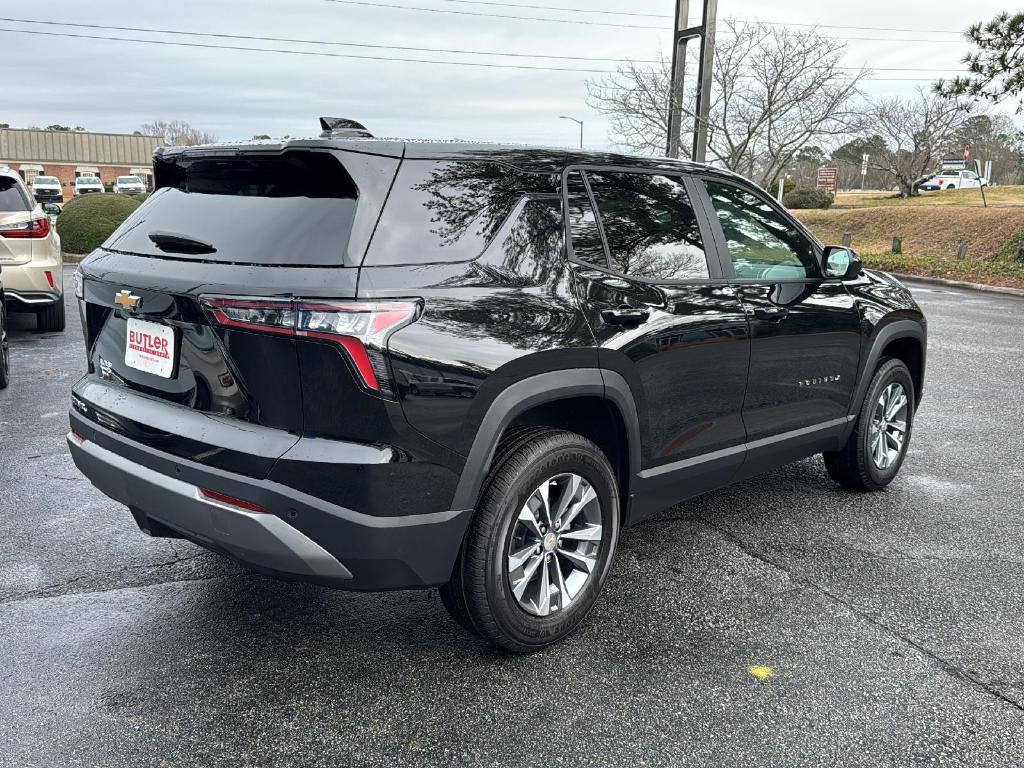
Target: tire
856 465
480 595
5 356
51 317
951 186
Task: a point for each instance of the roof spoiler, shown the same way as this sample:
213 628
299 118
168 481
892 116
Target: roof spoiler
337 127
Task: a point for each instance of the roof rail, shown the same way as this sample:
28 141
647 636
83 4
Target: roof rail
335 127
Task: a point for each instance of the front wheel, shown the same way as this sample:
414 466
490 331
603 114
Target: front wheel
875 450
541 544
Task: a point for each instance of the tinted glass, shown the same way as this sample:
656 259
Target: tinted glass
11 197
443 211
762 242
586 237
650 226
530 245
295 208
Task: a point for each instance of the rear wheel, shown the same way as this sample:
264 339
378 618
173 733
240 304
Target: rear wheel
51 317
875 450
5 349
541 544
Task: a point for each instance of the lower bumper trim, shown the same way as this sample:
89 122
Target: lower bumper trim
261 539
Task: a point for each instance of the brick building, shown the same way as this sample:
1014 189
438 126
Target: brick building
67 155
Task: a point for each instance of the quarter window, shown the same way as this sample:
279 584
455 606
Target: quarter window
650 226
11 197
762 242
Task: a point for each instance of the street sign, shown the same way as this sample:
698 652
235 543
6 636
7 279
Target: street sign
828 178
864 164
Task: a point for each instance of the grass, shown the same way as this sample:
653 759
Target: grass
1001 196
931 237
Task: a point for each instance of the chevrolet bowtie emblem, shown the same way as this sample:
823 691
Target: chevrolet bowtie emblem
128 300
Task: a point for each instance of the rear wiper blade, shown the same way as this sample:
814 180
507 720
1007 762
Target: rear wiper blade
176 243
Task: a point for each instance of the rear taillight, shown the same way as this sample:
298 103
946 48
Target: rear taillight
232 501
31 228
359 328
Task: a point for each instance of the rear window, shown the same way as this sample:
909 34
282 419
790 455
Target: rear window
446 211
12 199
291 209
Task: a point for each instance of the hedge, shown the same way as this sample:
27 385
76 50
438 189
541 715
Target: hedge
807 197
88 220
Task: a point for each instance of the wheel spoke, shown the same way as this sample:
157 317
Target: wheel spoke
895 404
893 442
563 594
517 559
570 490
899 426
588 496
589 533
544 599
579 560
529 572
877 451
527 518
544 494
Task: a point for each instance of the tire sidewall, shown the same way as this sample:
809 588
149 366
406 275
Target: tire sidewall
892 371
524 628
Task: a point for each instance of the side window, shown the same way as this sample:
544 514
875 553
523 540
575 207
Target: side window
651 228
762 242
446 211
586 237
529 244
12 199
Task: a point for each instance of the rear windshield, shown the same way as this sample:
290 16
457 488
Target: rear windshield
12 199
296 208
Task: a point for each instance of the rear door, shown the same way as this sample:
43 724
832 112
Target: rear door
805 332
664 318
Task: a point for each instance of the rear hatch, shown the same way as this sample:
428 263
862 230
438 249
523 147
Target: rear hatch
249 228
18 224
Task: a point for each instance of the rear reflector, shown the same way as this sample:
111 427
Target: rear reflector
49 278
76 437
360 329
233 501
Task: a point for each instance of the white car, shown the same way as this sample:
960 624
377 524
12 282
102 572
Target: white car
129 185
30 257
87 184
47 189
954 180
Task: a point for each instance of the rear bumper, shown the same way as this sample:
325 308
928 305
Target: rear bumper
27 283
300 537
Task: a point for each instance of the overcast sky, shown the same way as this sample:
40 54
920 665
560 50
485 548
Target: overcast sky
117 86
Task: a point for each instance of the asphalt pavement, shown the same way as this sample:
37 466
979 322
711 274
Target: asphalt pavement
884 629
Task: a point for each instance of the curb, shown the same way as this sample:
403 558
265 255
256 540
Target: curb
960 284
73 258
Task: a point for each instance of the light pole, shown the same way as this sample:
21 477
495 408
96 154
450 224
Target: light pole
566 117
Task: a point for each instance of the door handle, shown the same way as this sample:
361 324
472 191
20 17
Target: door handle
771 314
624 315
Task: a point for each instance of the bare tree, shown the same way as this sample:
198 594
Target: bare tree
917 132
775 90
177 132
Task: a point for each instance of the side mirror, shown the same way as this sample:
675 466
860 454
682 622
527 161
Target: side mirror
840 262
51 209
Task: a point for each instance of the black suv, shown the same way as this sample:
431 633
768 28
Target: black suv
380 364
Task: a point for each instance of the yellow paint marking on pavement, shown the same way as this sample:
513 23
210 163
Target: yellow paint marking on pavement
762 673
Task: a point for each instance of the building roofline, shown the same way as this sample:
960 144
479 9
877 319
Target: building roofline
84 133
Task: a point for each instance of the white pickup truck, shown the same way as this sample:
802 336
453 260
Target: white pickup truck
954 180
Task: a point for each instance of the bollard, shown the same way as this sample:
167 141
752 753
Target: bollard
961 252
847 239
897 245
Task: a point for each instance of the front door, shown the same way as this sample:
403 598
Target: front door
653 292
804 330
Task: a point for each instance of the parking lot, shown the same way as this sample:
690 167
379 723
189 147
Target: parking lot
890 625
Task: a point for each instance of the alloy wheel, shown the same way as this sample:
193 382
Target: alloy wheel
889 426
555 543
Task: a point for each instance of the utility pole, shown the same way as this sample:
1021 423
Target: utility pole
683 34
675 94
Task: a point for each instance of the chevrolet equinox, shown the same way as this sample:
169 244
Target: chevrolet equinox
384 364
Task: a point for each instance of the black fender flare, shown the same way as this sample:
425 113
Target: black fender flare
898 329
537 390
